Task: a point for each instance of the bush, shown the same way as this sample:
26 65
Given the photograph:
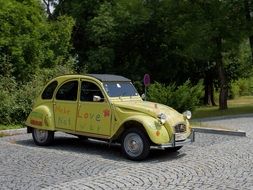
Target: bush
241 87
7 98
16 100
184 97
234 91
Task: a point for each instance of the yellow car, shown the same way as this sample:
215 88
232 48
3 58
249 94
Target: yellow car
107 107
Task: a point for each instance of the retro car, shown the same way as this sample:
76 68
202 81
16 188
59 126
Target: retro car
107 107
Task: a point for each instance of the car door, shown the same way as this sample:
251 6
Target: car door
93 116
65 105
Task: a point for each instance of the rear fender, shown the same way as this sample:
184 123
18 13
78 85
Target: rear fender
41 117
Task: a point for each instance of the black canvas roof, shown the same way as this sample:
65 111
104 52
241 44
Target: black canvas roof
107 77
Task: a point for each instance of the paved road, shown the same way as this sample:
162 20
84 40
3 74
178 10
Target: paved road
213 162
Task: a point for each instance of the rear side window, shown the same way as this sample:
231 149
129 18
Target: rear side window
49 90
88 90
68 91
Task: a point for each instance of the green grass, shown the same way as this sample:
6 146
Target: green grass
199 124
5 127
242 105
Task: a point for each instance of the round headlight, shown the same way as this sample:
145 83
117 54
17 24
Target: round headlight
162 117
187 114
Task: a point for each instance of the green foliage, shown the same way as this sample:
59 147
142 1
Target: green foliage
7 100
139 86
181 98
16 100
238 62
101 27
100 59
242 87
28 41
234 90
171 40
32 51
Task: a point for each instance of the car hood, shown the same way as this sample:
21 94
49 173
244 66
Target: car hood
152 109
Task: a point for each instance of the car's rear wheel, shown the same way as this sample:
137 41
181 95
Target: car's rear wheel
42 137
135 144
174 149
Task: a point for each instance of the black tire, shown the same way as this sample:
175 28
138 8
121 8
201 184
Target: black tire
174 149
140 147
42 137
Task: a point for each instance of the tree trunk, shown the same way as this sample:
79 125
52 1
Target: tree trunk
222 77
247 6
251 46
209 90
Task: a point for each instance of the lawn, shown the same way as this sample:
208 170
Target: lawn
4 127
242 105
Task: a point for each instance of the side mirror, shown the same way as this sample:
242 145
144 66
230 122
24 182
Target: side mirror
143 96
97 98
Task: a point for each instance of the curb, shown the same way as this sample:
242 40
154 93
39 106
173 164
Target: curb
14 131
219 131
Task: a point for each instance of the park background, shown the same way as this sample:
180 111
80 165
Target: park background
198 53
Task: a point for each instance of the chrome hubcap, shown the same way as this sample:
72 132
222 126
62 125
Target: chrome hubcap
133 144
41 135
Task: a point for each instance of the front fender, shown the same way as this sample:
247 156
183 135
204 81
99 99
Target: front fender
41 117
156 132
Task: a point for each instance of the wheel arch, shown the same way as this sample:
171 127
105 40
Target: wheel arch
131 124
150 126
41 117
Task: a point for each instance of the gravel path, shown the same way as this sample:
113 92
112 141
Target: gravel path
212 162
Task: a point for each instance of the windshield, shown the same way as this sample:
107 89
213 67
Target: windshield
116 89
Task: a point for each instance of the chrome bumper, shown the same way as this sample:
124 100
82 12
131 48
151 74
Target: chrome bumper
175 143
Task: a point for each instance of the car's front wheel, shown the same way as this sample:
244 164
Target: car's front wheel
42 137
135 144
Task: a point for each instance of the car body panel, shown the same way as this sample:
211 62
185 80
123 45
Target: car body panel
65 114
96 119
42 117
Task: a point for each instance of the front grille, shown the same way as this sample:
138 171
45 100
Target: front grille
180 128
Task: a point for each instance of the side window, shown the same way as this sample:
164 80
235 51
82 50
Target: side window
88 90
68 91
49 90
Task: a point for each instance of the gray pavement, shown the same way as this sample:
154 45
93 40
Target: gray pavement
212 162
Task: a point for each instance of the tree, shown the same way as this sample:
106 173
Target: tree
209 30
226 22
82 12
171 40
248 9
28 42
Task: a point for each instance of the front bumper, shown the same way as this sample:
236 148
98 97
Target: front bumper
175 143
